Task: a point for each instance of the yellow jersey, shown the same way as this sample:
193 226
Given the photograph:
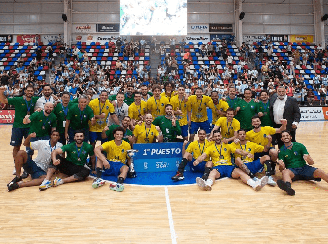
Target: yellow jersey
197 149
199 106
145 135
116 153
184 106
249 147
136 110
221 106
220 154
173 93
228 128
260 137
157 107
98 108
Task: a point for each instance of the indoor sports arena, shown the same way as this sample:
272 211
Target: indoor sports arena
156 121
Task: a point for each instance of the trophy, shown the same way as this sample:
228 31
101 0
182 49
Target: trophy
132 153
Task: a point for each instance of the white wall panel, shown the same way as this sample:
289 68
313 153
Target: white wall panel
6 18
6 7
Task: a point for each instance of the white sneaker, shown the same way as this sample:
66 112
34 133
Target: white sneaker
201 183
255 179
58 181
208 187
14 171
98 183
45 185
260 183
271 181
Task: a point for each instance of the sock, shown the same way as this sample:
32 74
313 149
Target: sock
288 184
182 165
251 183
207 172
209 182
120 180
98 172
268 168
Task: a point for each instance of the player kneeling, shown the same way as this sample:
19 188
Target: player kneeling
115 163
220 153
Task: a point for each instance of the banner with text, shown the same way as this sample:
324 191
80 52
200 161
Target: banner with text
301 38
220 37
6 38
7 116
205 38
85 28
220 28
313 113
199 28
21 39
108 27
157 157
253 38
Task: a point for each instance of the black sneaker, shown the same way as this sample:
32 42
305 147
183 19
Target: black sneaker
317 179
283 186
178 176
15 180
13 186
25 175
132 174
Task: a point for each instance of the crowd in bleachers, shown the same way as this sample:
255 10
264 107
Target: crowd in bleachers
213 65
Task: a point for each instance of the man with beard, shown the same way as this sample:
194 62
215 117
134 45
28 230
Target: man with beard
199 120
156 104
73 165
247 110
78 118
296 162
46 97
263 109
61 110
42 122
168 91
220 154
137 109
220 107
38 167
147 132
121 109
233 100
108 135
181 107
168 124
117 162
284 107
23 106
145 95
193 151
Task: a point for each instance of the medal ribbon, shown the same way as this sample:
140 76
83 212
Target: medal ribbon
201 151
78 152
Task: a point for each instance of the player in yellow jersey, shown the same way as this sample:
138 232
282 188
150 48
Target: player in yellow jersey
101 108
169 93
115 164
228 126
181 107
147 132
220 107
156 104
193 151
137 109
199 120
220 154
248 164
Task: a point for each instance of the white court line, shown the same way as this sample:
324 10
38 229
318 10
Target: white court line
169 213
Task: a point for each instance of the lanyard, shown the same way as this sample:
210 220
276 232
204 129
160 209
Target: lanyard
229 127
78 152
156 105
119 110
200 105
81 115
139 110
265 106
51 147
101 108
218 150
45 122
28 106
201 151
146 131
65 109
242 146
232 100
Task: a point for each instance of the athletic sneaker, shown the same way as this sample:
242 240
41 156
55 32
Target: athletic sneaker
58 181
260 183
116 187
255 178
45 185
25 175
201 183
15 180
285 187
271 182
12 186
98 182
207 187
178 176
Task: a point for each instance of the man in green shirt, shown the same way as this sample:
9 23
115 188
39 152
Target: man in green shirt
263 109
296 163
61 111
23 106
247 109
78 117
127 136
233 100
73 165
42 123
168 124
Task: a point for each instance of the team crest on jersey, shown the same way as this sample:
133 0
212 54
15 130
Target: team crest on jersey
295 153
122 150
152 133
252 106
162 104
185 105
249 149
84 152
264 135
107 107
225 149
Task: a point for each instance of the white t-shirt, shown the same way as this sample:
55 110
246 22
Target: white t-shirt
44 152
121 112
42 101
